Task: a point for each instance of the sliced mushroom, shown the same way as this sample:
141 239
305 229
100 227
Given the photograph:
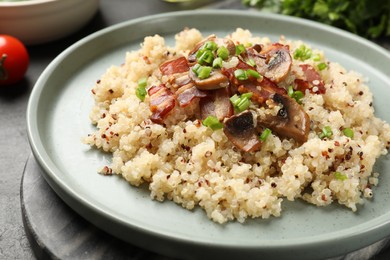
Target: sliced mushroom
291 120
273 62
216 103
241 131
215 81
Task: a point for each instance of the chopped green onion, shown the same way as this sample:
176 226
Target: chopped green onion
212 122
196 68
290 91
348 132
316 57
200 52
340 176
142 82
302 53
326 132
240 48
223 52
217 63
204 72
240 74
140 92
253 73
247 95
210 45
264 135
235 99
322 66
251 62
206 58
241 103
295 94
298 95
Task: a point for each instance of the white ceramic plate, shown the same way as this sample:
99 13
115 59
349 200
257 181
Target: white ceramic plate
58 118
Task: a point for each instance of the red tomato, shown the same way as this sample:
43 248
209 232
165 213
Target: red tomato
14 60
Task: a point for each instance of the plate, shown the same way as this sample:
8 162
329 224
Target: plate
57 119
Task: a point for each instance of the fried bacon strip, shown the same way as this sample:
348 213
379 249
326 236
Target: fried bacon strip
178 65
186 94
162 101
312 81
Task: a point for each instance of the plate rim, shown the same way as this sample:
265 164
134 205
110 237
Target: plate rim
65 191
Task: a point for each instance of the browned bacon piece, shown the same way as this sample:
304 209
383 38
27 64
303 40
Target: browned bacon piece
162 101
178 65
312 80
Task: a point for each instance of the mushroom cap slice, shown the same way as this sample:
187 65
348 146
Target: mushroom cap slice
273 62
291 120
215 81
241 130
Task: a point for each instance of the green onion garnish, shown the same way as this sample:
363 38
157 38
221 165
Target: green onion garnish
235 99
140 92
295 94
212 122
196 68
264 135
316 57
340 176
251 62
217 63
240 48
322 66
348 132
223 52
253 73
326 132
290 91
241 103
240 74
207 57
298 95
200 52
247 95
204 72
302 53
210 45
142 82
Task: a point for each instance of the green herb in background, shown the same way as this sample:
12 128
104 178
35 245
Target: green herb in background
368 18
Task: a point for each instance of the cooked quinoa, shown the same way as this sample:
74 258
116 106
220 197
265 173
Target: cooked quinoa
193 164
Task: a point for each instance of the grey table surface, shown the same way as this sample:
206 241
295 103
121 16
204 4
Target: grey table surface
15 149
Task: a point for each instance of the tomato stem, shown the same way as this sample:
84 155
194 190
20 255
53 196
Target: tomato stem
3 72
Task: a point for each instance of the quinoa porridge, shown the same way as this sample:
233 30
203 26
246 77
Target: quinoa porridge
236 125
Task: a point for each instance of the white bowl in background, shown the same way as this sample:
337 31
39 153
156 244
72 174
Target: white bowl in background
40 21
